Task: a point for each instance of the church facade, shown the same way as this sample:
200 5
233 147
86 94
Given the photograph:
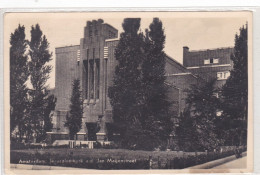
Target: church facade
93 63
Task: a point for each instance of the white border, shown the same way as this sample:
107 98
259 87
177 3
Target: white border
113 5
125 3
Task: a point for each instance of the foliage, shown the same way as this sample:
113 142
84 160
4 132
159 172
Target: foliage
125 92
138 94
235 92
156 114
74 118
187 133
19 74
198 123
39 74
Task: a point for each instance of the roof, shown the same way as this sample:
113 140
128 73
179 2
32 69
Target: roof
110 26
203 50
170 59
66 46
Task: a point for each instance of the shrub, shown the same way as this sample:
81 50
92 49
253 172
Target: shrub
97 144
184 162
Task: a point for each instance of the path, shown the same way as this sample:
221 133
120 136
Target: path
235 164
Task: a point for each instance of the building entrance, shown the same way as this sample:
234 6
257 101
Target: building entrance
92 130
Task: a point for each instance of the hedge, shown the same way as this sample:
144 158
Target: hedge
114 162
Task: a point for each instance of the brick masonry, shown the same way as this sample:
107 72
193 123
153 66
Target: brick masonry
93 62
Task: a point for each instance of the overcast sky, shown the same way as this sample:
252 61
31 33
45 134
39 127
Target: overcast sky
195 30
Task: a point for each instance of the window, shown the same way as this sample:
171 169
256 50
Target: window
223 75
211 61
93 53
97 78
85 62
95 31
206 61
90 32
91 82
105 52
216 94
226 74
219 113
215 60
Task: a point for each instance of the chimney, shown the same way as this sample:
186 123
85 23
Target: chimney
185 49
185 55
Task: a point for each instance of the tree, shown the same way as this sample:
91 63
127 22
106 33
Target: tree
201 112
74 118
19 74
51 103
156 115
186 133
235 92
125 93
39 74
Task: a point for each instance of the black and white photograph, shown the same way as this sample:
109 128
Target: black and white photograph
143 91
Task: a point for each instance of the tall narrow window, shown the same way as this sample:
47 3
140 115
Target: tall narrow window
97 77
90 32
87 53
106 83
93 53
96 31
91 82
85 62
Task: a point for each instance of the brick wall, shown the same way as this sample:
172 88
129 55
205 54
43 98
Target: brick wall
66 71
197 57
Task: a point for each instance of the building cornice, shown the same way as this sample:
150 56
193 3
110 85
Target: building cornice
181 74
219 65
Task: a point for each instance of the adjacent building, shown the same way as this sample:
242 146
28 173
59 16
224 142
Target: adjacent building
209 64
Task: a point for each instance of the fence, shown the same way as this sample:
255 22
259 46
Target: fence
197 159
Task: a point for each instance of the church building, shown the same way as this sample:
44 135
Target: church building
93 63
